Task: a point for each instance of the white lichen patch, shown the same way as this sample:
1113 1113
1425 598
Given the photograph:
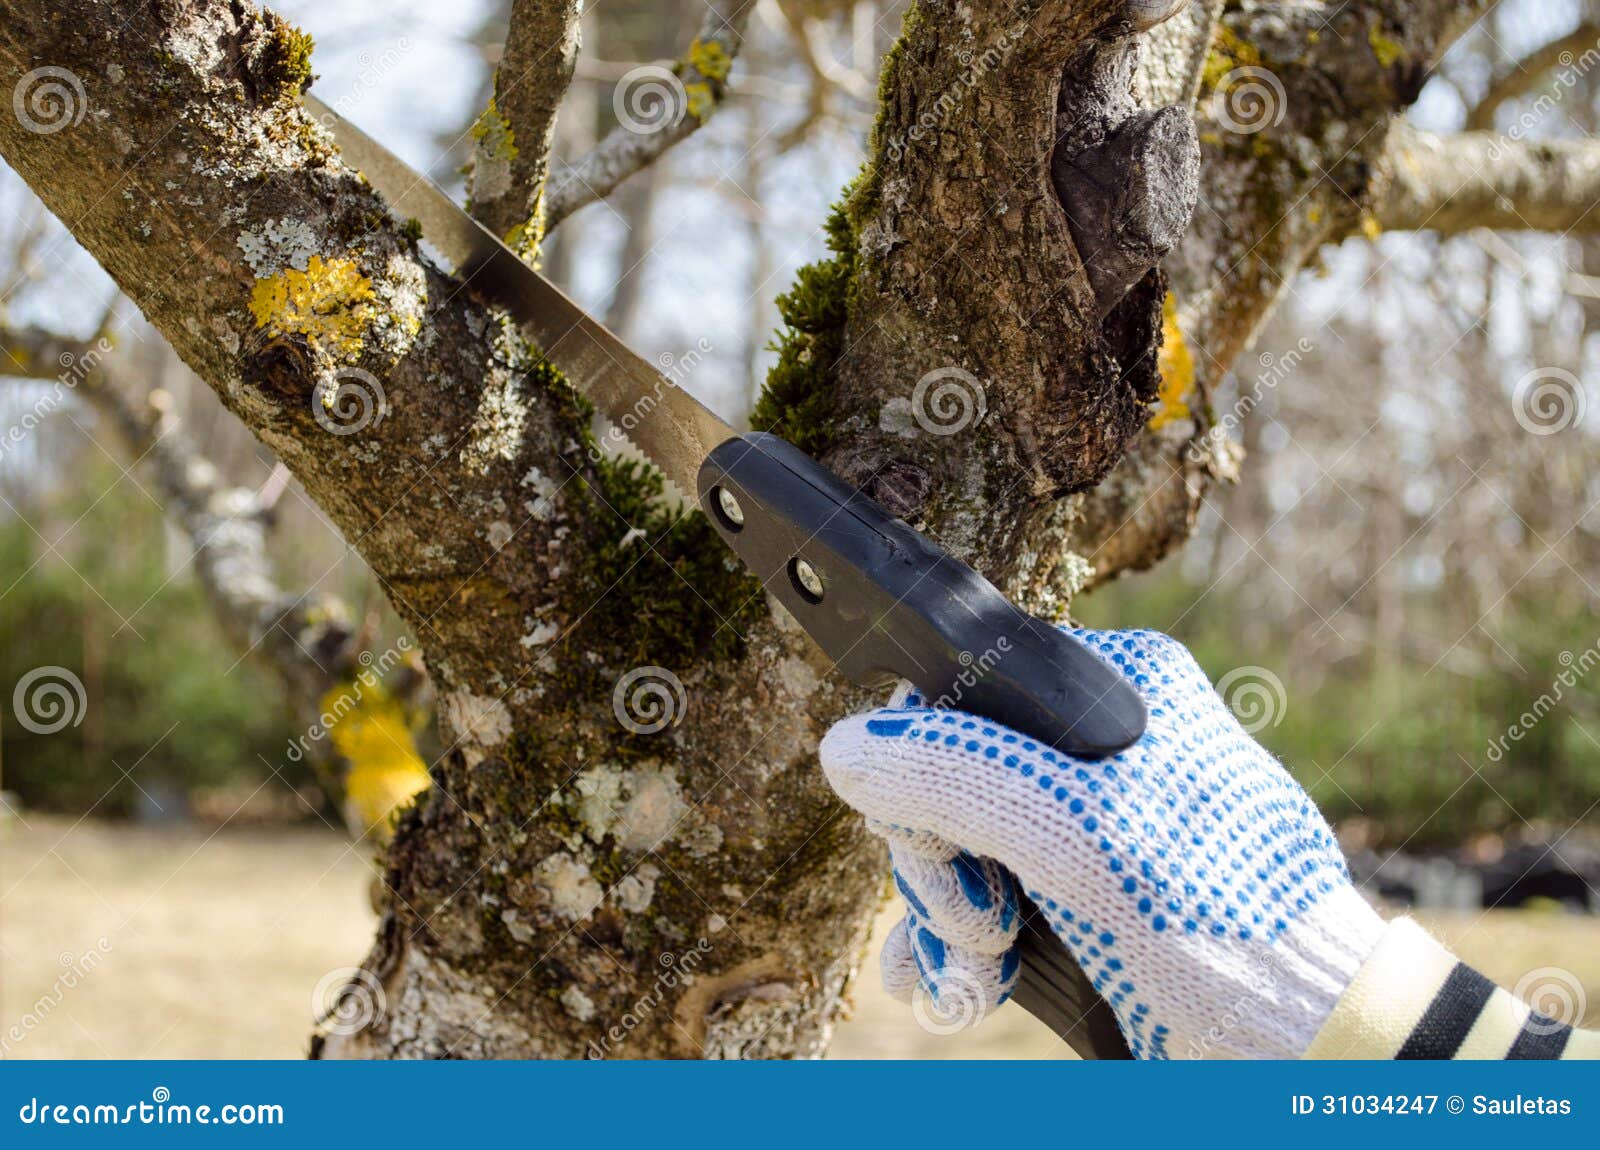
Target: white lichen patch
519 930
572 891
476 720
799 678
500 533
898 418
634 892
702 839
639 807
402 295
278 244
543 504
497 428
653 808
768 1021
226 336
578 1004
538 633
188 43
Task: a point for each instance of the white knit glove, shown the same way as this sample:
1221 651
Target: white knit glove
1194 881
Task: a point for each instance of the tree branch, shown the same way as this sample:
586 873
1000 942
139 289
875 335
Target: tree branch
1523 76
1295 109
658 109
1453 184
1016 190
511 153
308 640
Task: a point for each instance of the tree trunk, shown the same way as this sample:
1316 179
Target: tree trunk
590 876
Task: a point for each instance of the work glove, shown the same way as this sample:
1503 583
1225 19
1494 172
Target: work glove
1192 878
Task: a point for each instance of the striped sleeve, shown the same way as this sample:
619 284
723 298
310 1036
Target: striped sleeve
1413 999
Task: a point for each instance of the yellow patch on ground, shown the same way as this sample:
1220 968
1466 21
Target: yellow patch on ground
330 304
1177 370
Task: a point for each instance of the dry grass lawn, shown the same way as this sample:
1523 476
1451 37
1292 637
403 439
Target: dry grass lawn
215 941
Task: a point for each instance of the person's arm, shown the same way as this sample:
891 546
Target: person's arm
1412 998
1192 878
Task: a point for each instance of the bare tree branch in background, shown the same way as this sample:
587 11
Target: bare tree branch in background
361 734
1452 184
1526 74
665 109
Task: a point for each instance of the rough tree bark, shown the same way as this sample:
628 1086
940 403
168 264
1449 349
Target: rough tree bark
577 885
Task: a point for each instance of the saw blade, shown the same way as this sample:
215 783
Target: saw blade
675 430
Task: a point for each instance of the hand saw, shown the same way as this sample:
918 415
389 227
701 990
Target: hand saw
883 601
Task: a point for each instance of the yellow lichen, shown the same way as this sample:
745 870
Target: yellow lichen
1389 52
330 304
386 774
493 133
1177 370
526 238
1370 227
710 59
701 100
1228 52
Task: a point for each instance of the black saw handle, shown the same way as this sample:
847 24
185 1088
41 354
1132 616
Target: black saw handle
884 603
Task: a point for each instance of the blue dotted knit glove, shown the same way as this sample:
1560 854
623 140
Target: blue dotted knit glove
1191 877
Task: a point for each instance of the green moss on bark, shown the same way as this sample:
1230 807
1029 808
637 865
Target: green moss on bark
285 61
797 401
665 590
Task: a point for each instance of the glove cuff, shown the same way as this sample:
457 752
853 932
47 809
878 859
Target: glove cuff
1412 998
